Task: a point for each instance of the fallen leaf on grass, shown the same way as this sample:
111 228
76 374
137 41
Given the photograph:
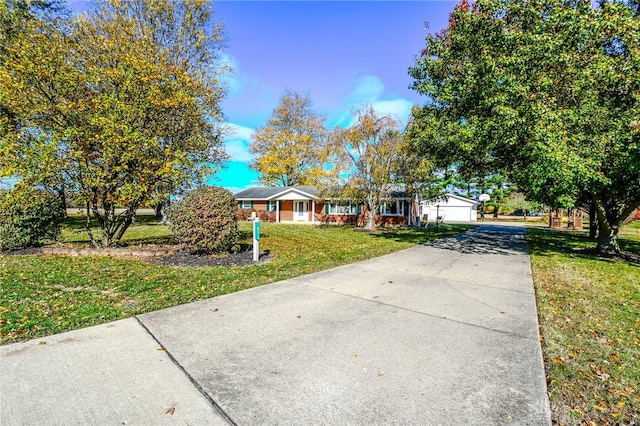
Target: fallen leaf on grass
600 372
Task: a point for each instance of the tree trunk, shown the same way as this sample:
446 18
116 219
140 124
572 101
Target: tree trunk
87 226
607 238
607 231
593 222
62 195
112 226
164 211
371 217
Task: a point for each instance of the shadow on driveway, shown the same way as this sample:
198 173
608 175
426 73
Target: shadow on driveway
486 240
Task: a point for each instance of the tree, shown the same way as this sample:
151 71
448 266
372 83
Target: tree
516 201
375 150
292 149
122 105
546 92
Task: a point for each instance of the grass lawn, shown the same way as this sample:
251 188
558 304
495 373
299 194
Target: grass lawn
589 311
44 295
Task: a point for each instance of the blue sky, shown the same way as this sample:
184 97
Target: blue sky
342 54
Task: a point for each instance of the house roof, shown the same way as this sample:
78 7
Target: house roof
463 199
398 191
449 198
272 192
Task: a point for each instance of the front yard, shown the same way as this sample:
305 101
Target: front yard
48 294
588 307
589 312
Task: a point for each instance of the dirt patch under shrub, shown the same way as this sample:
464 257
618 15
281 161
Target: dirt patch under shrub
169 255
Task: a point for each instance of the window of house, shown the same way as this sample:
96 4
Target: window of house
245 204
342 208
271 206
392 208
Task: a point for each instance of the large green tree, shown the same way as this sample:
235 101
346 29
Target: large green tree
547 91
292 149
122 105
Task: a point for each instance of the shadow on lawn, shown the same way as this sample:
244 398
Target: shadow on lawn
78 221
578 244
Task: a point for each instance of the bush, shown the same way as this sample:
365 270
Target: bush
28 217
205 221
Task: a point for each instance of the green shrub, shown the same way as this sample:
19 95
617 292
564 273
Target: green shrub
28 217
205 221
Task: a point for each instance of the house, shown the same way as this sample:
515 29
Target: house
453 209
302 204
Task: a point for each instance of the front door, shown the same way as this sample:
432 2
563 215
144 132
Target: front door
301 211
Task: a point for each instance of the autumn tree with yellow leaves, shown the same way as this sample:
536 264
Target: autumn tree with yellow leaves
292 148
378 157
118 106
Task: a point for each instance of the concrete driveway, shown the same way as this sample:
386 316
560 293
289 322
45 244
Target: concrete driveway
444 333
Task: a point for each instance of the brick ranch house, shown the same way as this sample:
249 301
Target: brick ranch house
303 205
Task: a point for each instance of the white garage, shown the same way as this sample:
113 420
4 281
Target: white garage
453 209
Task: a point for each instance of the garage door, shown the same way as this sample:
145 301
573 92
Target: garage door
452 213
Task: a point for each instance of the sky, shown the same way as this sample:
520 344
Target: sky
342 54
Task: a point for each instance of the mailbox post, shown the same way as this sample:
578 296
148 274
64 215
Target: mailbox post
256 239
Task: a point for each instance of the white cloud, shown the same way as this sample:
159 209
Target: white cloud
232 79
401 108
237 142
370 90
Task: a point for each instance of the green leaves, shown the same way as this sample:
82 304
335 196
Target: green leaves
28 218
116 107
541 91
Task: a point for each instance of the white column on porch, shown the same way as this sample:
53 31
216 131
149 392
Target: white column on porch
277 211
313 212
